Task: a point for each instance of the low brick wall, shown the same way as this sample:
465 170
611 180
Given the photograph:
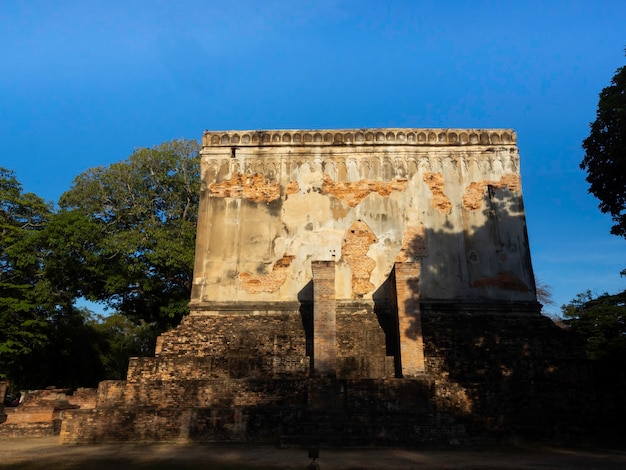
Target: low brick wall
40 412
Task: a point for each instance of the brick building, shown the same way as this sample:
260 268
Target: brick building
353 287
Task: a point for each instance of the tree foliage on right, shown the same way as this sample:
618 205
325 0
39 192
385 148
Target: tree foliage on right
605 152
601 323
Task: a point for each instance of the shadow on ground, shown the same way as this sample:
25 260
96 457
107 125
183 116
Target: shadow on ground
40 453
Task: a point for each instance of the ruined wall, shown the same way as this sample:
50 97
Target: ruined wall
40 412
334 275
272 202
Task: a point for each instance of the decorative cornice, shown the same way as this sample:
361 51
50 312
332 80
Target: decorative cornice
339 137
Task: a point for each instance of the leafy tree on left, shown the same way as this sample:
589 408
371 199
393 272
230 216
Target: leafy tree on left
44 339
23 327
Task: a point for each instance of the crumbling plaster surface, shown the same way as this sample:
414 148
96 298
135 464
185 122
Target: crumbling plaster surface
274 204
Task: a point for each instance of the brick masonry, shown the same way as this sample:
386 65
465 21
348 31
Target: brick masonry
41 411
324 319
406 279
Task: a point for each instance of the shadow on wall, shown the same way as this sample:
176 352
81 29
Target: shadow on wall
502 368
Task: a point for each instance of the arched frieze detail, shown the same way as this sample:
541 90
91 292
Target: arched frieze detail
330 169
374 166
411 165
513 163
286 137
497 165
506 138
401 137
424 164
442 137
463 164
352 173
306 138
380 137
235 139
246 139
297 138
258 167
338 137
400 168
316 165
448 163
421 137
388 172
215 140
317 137
485 165
473 163
369 136
463 138
276 138
473 138
266 138
390 137
410 137
342 171
348 138
210 171
435 163
484 138
223 172
328 137
270 171
432 137
364 169
495 138
359 137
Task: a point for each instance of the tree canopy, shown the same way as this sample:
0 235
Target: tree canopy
23 329
601 322
131 228
605 152
123 236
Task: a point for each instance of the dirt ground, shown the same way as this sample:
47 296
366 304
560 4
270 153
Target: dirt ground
40 453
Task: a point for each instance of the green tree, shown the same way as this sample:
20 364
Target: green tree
122 339
601 323
125 234
605 152
24 330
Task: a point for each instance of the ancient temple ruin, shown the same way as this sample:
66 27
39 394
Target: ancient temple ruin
352 287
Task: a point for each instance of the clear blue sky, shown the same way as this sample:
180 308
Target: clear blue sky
83 83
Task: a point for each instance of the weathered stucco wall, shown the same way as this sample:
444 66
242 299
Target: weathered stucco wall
274 201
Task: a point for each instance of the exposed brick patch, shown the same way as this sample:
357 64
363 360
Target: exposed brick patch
354 248
254 187
475 192
271 282
439 201
292 188
504 281
413 243
353 193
